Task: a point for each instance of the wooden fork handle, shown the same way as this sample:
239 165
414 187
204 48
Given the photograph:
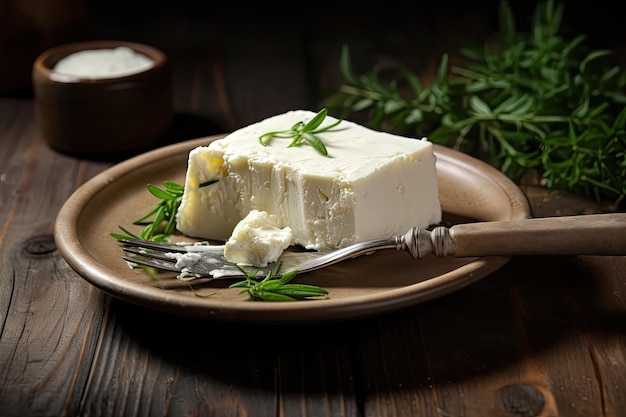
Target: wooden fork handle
592 234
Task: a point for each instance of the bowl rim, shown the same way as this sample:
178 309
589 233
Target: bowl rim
43 64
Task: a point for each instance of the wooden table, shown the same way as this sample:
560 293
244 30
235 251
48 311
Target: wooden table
542 336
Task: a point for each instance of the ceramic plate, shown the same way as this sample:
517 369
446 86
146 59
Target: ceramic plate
470 190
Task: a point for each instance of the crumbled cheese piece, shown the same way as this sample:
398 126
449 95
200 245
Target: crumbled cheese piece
257 240
184 259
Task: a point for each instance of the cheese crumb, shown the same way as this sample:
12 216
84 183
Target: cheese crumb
257 240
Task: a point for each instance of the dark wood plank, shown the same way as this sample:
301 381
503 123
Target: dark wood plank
51 319
507 344
151 361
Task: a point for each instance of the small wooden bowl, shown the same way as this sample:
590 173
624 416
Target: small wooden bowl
100 116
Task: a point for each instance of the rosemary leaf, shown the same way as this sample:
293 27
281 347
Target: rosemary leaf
301 131
276 287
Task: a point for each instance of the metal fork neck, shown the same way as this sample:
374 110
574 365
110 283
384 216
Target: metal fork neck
420 242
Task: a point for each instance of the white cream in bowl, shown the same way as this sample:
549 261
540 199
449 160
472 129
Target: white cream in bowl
104 63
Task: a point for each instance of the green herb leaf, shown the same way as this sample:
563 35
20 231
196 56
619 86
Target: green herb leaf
316 121
300 132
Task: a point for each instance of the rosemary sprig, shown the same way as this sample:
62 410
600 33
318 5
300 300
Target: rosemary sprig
275 287
160 221
303 132
525 101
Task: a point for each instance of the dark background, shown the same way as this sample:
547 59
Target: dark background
201 35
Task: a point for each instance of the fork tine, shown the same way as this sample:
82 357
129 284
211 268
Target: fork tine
174 247
210 259
148 253
168 260
152 262
154 245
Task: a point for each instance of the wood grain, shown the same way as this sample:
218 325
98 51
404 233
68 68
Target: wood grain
49 326
542 336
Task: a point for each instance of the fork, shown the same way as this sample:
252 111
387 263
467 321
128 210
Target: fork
590 234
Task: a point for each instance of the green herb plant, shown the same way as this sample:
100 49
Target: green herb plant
276 287
524 102
160 221
303 132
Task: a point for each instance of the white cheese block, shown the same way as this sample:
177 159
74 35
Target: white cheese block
372 184
257 240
